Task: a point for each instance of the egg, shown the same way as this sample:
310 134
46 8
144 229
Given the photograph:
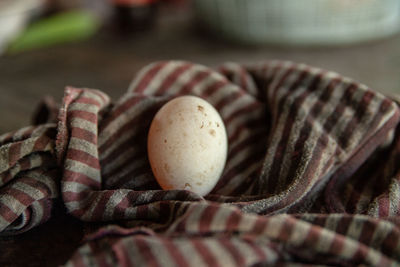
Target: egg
187 145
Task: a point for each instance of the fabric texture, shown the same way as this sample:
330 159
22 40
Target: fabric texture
312 175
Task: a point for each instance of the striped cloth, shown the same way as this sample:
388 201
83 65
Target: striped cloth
311 177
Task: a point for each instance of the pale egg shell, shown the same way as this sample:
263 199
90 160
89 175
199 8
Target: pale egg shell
187 145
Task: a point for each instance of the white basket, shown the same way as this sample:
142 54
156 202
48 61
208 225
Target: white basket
300 21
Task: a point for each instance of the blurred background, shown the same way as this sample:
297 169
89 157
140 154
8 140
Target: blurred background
48 44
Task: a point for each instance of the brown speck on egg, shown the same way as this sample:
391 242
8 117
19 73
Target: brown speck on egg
198 183
166 167
188 186
200 108
165 141
212 132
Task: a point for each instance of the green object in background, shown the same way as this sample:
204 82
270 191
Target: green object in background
65 27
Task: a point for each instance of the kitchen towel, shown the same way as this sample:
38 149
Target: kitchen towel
312 175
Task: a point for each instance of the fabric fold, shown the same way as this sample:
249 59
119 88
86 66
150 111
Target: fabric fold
29 178
211 234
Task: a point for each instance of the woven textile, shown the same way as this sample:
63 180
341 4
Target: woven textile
312 175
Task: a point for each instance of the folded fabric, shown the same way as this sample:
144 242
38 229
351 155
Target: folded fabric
208 234
28 178
311 176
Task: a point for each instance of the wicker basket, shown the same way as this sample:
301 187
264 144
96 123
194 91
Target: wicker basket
304 22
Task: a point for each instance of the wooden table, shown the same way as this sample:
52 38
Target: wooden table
109 62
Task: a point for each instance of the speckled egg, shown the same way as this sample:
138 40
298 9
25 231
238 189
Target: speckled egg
187 145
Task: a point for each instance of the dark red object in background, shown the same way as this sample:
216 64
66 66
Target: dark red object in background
134 15
133 2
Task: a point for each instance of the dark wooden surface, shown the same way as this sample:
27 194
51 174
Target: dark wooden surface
50 244
109 62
